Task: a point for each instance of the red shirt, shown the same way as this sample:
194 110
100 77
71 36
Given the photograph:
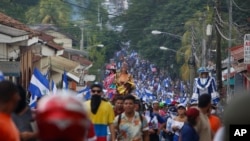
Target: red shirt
8 130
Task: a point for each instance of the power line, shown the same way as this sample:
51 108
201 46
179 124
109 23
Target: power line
241 9
79 6
223 36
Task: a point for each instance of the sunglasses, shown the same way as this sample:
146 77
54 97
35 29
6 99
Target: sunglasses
95 91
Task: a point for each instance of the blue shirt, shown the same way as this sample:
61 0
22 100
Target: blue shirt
188 133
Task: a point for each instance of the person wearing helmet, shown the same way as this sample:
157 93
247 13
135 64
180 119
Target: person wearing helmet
62 118
205 84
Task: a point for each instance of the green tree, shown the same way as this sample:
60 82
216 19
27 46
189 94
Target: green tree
167 16
16 8
49 12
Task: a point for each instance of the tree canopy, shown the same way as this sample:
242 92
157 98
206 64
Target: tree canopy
186 19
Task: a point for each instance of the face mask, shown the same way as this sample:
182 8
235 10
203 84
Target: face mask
95 102
203 80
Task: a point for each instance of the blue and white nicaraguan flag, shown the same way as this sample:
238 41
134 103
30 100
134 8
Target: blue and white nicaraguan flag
53 87
39 86
1 76
65 81
84 93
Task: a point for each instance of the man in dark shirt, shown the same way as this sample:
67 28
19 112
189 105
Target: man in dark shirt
188 133
23 119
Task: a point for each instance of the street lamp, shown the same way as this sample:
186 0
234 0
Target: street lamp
156 32
100 45
165 48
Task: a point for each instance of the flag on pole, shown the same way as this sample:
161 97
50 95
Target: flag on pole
38 87
65 81
1 76
46 75
53 87
84 93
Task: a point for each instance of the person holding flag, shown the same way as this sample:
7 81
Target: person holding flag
39 86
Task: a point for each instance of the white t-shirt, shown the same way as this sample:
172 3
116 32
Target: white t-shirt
169 124
219 135
179 126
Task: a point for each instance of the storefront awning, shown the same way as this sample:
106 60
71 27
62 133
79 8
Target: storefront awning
60 64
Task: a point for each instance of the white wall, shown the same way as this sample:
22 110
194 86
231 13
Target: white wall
46 51
60 38
3 51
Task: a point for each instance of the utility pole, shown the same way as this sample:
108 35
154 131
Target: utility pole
229 94
191 63
203 43
99 19
218 51
81 41
82 29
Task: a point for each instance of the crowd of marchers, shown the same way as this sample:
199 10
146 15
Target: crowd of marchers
63 117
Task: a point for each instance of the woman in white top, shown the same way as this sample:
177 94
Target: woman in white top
178 121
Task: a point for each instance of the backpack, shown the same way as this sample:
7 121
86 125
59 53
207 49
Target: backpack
119 121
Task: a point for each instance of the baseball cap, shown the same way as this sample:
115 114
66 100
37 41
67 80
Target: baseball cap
192 113
154 102
162 104
96 84
172 109
181 105
174 102
194 102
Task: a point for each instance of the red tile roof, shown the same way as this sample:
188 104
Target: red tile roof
49 41
237 52
11 22
46 37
